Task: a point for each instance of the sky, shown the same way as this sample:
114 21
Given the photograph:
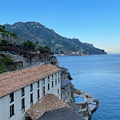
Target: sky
92 21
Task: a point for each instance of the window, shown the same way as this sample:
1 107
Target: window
52 84
31 87
22 92
38 94
58 91
48 86
43 90
55 81
28 118
55 75
59 73
58 79
52 77
11 110
43 81
23 103
48 79
31 98
11 97
38 84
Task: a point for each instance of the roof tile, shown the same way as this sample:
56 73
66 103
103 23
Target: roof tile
12 81
47 103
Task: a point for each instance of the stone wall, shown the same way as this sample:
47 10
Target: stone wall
66 93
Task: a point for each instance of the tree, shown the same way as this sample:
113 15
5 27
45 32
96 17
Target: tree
7 60
29 44
5 42
69 76
2 69
41 49
45 51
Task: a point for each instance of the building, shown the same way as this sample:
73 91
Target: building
51 108
66 89
64 73
21 89
66 86
47 103
61 114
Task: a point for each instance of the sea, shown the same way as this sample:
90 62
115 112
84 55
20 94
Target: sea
100 76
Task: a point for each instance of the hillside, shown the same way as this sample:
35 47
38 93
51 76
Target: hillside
6 35
38 33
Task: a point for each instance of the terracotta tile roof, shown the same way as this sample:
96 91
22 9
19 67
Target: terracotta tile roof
12 81
47 103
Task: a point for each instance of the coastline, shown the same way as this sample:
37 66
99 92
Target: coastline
59 55
99 75
89 104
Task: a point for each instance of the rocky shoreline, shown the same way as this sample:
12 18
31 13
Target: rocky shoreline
87 106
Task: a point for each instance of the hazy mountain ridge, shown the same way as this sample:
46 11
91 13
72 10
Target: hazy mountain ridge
37 32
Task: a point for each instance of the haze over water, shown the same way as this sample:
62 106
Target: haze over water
100 76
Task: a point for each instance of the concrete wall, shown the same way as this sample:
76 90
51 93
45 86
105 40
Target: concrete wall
20 115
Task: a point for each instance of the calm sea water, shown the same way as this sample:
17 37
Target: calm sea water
100 76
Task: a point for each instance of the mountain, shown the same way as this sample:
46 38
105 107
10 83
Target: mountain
41 35
6 35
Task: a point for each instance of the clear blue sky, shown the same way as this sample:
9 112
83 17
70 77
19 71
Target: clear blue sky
92 21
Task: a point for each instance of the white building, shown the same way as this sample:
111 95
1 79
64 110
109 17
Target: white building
20 89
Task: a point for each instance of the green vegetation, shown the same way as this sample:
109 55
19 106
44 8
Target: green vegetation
45 50
69 76
2 29
29 45
2 69
5 42
44 53
5 61
45 36
7 64
28 49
